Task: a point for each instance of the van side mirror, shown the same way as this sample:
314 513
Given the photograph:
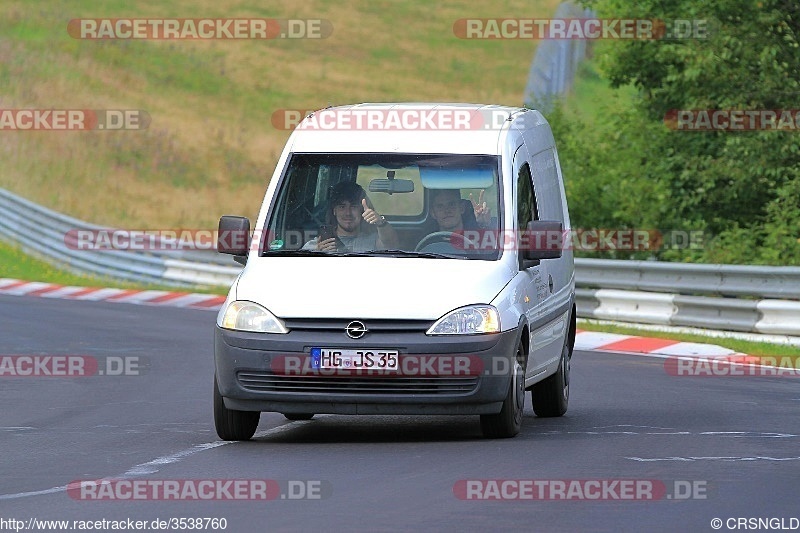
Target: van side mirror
543 239
234 237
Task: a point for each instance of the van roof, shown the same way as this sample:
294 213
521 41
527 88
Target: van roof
453 128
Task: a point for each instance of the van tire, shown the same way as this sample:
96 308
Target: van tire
550 397
508 421
298 416
232 424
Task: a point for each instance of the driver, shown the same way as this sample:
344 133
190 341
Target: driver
355 222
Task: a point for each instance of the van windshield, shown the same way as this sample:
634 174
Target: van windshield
404 205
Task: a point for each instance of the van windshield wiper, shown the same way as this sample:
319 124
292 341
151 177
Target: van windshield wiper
407 253
298 252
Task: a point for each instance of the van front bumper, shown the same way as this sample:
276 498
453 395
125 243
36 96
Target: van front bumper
458 374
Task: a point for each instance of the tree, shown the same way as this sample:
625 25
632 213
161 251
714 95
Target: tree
730 184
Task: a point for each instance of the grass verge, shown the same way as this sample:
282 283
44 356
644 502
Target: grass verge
211 145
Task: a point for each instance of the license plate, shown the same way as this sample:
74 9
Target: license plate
338 358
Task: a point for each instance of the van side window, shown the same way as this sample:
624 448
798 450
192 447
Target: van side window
526 201
545 180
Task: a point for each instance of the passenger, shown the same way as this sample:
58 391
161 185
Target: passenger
451 212
454 216
356 225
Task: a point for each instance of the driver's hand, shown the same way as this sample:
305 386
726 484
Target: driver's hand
328 245
482 213
369 214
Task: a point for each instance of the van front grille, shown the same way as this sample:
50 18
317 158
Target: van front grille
269 382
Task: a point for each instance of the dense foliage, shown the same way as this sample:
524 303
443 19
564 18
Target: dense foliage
740 188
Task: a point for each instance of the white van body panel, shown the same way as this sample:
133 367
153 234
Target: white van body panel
381 287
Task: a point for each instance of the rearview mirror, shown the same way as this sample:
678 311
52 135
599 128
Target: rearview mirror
390 185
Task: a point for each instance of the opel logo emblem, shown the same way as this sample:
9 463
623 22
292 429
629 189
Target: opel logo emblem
355 329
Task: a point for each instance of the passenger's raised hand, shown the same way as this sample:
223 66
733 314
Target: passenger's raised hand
482 214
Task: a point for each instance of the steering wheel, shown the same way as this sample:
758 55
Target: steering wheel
447 236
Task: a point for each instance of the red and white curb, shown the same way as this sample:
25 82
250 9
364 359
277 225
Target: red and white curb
17 287
612 342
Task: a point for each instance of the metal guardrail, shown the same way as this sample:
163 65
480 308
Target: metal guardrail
555 63
683 278
776 317
646 292
43 232
723 297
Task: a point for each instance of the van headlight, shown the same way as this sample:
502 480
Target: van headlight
470 320
249 316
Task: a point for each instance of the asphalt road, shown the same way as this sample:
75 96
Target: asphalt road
734 439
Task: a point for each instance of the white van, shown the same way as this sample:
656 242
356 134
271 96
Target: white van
407 259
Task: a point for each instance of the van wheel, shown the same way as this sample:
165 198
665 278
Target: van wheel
298 416
508 421
550 397
232 424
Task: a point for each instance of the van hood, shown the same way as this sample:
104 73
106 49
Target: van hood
369 287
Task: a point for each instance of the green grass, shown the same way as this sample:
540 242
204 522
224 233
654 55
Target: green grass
592 96
737 345
211 148
16 264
